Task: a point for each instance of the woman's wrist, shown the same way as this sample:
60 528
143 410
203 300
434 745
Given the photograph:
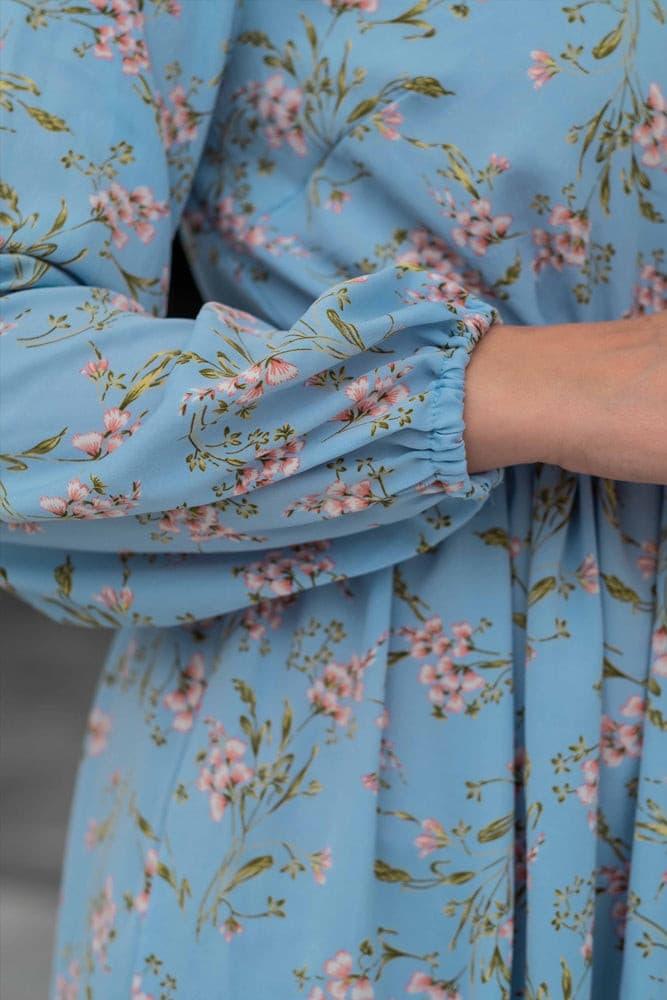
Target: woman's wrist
589 397
511 397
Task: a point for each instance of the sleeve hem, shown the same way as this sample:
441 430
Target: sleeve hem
450 465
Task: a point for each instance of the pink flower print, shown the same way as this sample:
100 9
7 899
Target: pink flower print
136 209
321 862
428 251
506 930
619 912
451 275
280 107
142 899
276 463
633 706
137 990
127 304
617 879
525 857
264 615
477 227
276 574
115 420
587 947
90 443
374 400
650 295
477 324
382 720
533 851
514 546
95 369
499 163
462 632
76 491
278 371
325 692
588 574
577 222
448 684
659 649
420 982
222 771
236 319
98 729
343 499
651 134
230 927
337 499
433 837
186 700
427 640
116 600
544 68
92 835
102 919
569 247
339 681
202 523
336 200
619 740
26 527
387 120
180 124
339 968
278 571
244 235
105 34
647 563
80 503
617 885
151 862
519 767
67 986
273 371
371 781
588 792
126 21
367 6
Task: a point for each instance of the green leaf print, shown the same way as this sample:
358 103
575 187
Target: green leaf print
250 870
610 42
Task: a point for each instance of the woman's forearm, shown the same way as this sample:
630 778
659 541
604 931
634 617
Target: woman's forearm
590 397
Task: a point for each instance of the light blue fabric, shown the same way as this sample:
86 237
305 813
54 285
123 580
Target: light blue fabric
371 726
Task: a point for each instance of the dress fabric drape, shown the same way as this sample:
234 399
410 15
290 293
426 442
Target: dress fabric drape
371 726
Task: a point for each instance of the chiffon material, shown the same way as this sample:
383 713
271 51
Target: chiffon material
370 726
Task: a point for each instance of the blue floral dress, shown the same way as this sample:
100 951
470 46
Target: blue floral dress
371 726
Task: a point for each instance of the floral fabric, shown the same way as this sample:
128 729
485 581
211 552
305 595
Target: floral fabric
371 726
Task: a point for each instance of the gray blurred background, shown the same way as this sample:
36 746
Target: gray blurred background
48 674
46 683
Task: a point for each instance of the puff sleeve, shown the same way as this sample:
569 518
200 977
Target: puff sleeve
160 470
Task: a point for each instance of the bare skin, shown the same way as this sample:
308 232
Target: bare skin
589 397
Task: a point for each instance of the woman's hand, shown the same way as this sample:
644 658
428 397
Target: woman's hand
589 397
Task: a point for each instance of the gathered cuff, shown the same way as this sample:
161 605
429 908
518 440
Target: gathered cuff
450 473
